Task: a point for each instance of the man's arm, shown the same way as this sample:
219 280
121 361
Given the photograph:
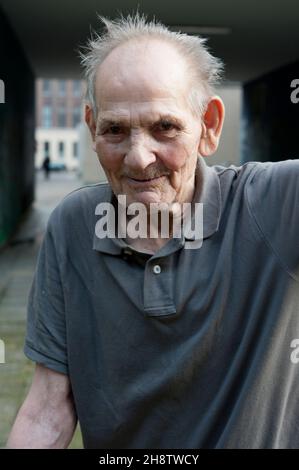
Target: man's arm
47 419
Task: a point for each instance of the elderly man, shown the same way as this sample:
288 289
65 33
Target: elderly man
147 343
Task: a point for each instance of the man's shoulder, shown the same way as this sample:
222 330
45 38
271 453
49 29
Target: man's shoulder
259 175
81 203
91 193
263 187
234 179
273 181
237 175
244 170
272 197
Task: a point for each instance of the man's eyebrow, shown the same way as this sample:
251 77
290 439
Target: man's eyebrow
104 121
169 118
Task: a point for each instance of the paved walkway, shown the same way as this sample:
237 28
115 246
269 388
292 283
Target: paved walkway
17 264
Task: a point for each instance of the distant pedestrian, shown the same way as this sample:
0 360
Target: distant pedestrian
46 167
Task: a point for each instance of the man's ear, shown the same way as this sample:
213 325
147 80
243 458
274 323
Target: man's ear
212 122
90 121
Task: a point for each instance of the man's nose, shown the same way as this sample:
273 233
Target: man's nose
139 154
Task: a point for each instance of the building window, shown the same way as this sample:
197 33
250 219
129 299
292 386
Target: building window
61 117
46 85
62 87
77 116
47 116
46 149
75 149
61 148
77 88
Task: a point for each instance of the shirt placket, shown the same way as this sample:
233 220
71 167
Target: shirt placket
158 297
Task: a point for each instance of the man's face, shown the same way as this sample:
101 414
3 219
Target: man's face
146 137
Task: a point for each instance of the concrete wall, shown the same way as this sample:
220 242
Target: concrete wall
91 171
270 119
229 147
16 132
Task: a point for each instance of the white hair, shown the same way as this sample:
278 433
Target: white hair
205 69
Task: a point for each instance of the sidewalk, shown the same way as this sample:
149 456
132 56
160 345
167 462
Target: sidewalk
17 264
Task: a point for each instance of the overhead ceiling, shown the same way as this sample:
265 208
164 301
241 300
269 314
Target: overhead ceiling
264 33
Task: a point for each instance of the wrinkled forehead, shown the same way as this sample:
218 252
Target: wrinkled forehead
143 112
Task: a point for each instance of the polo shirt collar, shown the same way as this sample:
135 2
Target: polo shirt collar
207 191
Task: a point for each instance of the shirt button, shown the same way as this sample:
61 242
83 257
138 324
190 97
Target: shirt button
157 269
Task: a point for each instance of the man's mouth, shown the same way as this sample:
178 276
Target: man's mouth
145 180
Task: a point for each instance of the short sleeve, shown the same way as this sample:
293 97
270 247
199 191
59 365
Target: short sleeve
273 198
46 327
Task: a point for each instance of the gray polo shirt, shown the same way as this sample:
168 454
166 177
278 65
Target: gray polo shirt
196 354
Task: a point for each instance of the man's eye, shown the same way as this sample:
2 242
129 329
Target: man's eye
165 126
115 129
167 129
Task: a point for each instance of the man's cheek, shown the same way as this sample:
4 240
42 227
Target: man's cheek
175 158
110 160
